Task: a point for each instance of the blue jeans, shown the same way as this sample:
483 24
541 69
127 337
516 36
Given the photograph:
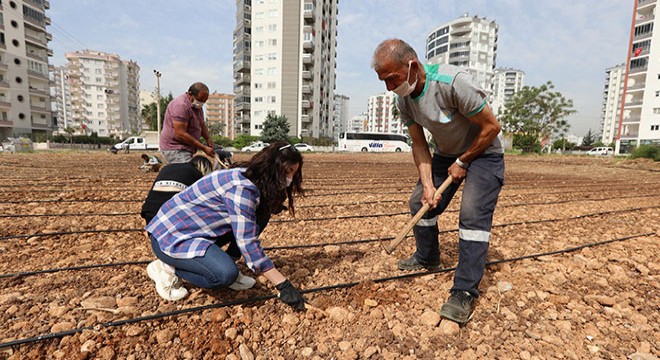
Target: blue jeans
213 270
216 268
483 183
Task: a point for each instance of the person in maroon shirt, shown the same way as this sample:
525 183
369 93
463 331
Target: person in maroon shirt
184 125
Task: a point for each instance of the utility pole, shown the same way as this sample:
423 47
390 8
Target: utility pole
158 74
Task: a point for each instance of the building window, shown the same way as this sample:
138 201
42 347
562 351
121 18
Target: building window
272 99
273 13
272 84
272 71
272 27
259 29
258 44
272 42
272 56
258 58
258 71
258 86
98 71
655 127
258 99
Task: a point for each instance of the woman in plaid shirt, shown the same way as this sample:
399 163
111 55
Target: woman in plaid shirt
185 230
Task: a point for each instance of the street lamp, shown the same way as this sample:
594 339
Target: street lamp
158 74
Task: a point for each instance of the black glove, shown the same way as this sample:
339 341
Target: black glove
290 295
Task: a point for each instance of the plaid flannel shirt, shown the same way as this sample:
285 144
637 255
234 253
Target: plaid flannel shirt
223 201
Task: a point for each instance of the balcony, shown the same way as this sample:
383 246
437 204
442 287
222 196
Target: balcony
632 119
308 59
242 66
305 118
242 78
638 70
634 103
242 91
308 44
36 91
636 87
460 30
5 105
643 3
242 106
41 43
643 36
38 56
307 75
38 75
40 25
6 124
306 89
305 104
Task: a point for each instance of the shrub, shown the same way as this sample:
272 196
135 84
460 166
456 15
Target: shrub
646 151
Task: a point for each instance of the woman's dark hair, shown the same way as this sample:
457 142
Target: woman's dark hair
267 170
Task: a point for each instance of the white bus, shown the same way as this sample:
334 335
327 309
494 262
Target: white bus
373 142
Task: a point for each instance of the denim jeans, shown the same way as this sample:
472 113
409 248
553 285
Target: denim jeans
483 183
213 270
217 268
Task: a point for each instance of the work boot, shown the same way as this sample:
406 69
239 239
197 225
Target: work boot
458 307
168 285
242 282
412 263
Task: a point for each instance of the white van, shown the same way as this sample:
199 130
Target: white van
601 151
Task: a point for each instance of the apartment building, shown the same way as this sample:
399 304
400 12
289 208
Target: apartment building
340 115
220 111
612 96
359 123
469 42
506 82
380 114
284 64
25 102
640 120
103 93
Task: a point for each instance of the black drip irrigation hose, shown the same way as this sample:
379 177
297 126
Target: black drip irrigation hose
282 247
257 299
609 190
357 203
335 218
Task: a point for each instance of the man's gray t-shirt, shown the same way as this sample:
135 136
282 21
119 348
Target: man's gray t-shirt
450 96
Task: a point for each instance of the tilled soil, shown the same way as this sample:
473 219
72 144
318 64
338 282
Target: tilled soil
74 285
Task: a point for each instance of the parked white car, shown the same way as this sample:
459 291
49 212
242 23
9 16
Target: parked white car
601 151
303 147
256 147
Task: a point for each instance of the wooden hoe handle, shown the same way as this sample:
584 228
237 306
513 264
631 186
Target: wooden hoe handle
402 235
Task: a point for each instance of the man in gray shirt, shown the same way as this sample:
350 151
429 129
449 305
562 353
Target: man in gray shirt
445 100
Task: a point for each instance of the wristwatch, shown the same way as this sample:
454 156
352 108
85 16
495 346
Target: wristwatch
462 164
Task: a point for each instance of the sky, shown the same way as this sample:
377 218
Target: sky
568 42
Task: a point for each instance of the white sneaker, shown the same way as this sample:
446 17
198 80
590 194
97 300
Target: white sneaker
242 282
168 285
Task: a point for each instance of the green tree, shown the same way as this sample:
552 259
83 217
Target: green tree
535 113
69 132
589 138
243 140
216 128
276 128
149 112
562 144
